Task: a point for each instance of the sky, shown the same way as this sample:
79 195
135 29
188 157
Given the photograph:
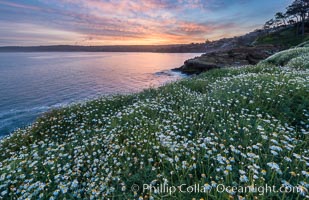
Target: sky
130 22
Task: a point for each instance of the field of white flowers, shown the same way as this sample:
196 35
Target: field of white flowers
236 126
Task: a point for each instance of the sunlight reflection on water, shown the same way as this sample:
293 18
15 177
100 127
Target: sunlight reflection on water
32 83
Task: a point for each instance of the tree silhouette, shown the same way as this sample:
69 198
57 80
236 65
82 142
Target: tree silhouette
299 9
269 24
280 17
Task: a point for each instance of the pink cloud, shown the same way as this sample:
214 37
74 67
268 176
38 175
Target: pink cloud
125 21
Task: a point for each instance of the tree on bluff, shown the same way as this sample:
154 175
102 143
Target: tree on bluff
297 12
299 9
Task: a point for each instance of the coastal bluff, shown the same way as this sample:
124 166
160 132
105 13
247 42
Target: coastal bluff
248 49
245 55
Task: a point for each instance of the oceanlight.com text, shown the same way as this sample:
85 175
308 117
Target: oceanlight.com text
220 188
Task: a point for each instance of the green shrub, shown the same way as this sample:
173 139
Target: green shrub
282 58
300 62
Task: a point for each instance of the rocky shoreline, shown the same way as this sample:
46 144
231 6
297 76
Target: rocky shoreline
237 56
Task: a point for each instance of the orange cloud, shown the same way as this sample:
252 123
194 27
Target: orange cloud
99 22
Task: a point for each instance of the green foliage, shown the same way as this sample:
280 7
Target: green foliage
286 37
299 62
304 44
233 126
296 57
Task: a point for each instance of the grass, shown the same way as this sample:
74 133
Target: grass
296 57
286 37
303 44
234 126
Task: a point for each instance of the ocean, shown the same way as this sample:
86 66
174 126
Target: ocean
33 83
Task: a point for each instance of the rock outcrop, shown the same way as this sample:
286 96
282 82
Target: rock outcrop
225 58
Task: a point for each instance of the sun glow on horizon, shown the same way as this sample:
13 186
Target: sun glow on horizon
137 22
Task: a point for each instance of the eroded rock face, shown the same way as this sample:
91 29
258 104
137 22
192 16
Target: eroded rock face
233 57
